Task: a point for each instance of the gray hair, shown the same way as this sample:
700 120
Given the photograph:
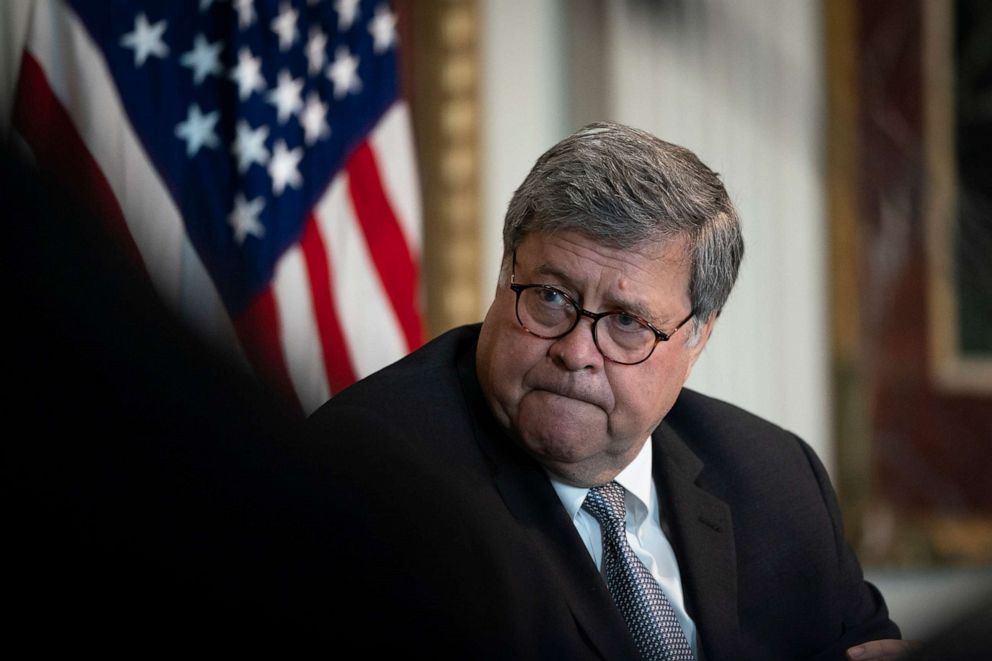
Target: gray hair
621 187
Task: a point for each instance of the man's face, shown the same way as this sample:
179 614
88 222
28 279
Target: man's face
581 416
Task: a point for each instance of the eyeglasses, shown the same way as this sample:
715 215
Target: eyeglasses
550 313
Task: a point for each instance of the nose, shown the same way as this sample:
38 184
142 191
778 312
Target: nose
577 350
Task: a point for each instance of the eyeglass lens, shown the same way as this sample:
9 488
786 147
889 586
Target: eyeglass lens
549 313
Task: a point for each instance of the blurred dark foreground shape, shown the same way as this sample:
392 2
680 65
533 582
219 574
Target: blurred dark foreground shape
967 638
156 496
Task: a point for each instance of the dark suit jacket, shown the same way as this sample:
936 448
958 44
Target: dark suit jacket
454 540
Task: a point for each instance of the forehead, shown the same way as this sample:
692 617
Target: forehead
651 278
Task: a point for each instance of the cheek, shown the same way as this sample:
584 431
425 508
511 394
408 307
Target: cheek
507 381
643 402
513 358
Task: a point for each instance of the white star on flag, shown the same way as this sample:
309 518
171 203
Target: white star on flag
204 59
347 10
313 119
244 218
249 145
248 74
286 96
316 55
198 130
284 25
383 29
246 13
283 167
146 39
344 72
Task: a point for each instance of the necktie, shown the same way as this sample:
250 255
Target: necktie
645 608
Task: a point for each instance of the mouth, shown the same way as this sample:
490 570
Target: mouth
571 394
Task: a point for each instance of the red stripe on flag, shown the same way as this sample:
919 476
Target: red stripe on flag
337 363
261 338
387 245
44 123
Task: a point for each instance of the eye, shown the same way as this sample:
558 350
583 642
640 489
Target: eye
551 297
624 320
627 322
545 310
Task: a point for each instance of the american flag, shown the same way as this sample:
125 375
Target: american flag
254 157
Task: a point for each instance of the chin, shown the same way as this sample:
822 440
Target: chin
561 444
574 464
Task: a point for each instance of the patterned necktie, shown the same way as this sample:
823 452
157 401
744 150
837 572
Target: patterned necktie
645 608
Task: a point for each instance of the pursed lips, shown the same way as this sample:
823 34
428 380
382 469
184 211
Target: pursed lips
570 393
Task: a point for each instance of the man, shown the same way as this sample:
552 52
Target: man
543 487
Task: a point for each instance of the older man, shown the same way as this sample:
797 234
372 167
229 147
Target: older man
544 487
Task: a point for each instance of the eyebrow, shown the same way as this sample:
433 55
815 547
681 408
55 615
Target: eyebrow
633 307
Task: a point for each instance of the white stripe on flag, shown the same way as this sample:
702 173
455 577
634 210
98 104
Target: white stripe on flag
392 142
369 325
78 75
301 345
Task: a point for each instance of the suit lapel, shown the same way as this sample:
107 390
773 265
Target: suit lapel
531 499
702 534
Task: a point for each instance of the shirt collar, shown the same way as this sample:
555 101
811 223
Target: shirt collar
635 478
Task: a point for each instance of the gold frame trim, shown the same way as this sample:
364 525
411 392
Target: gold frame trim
446 111
950 369
883 536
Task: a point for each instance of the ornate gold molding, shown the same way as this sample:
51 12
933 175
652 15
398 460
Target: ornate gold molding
445 105
849 377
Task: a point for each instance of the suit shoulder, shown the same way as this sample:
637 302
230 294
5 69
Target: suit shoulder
719 432
426 374
701 412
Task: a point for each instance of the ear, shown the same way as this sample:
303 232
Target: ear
697 349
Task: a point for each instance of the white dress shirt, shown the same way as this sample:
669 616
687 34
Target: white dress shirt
644 531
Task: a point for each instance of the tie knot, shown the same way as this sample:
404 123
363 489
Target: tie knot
606 503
